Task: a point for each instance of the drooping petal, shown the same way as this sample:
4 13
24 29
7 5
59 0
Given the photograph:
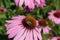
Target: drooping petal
38 35
19 34
27 36
23 36
13 32
29 3
18 17
40 29
54 38
42 3
46 30
12 29
37 1
13 21
21 3
6 25
31 35
9 26
17 2
37 30
35 36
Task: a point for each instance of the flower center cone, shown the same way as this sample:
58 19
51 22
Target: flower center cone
42 22
29 22
57 14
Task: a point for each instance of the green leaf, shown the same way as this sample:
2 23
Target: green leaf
45 36
6 3
2 16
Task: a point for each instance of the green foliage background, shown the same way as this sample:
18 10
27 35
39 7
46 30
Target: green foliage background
37 13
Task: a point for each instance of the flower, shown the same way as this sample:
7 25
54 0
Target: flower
3 10
23 28
46 29
30 3
55 38
54 16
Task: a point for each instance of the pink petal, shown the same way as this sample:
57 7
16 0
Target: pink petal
40 29
26 2
35 36
56 20
11 30
27 36
37 1
16 1
14 32
13 21
9 26
37 30
37 23
38 35
54 38
29 3
23 36
42 3
18 17
19 34
21 3
6 25
31 35
46 30
14 28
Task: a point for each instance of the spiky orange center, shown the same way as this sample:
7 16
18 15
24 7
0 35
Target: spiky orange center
57 14
42 22
29 22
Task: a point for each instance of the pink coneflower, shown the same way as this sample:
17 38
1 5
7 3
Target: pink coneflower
55 38
3 10
54 16
23 28
30 3
46 29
